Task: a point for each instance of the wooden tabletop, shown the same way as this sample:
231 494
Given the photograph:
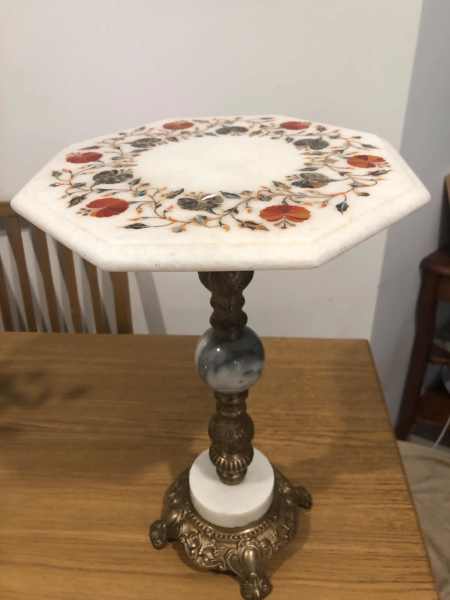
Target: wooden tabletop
94 428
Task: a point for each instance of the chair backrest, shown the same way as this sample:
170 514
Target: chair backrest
15 228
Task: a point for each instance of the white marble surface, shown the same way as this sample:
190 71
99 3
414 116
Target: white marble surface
221 193
231 505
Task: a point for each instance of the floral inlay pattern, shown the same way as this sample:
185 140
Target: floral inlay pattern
335 169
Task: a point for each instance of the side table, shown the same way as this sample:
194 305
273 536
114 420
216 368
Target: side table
224 196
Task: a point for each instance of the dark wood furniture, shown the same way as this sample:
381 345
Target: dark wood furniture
26 307
427 407
431 406
94 428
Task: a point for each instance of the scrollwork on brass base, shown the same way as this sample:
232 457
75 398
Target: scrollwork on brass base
243 551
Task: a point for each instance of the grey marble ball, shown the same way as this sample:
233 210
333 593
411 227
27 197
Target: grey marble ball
230 366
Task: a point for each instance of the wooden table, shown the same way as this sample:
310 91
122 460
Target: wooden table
94 428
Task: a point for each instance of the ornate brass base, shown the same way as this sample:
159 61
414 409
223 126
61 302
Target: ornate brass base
241 551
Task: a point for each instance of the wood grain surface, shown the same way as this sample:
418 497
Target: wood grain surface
94 428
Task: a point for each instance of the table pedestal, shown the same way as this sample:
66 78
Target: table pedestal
232 510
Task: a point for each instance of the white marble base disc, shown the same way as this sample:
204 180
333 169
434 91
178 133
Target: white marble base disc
231 505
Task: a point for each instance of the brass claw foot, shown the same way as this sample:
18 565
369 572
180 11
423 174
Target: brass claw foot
248 565
158 534
255 587
304 498
243 551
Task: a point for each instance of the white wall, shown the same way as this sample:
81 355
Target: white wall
71 71
426 146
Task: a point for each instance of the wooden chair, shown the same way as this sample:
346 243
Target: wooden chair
430 407
26 307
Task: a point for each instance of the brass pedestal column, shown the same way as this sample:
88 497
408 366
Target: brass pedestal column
242 551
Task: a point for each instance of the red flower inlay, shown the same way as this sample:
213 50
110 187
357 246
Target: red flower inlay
83 157
107 207
295 125
365 161
285 211
173 125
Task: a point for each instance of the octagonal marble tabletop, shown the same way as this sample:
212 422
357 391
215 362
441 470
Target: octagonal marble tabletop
220 193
